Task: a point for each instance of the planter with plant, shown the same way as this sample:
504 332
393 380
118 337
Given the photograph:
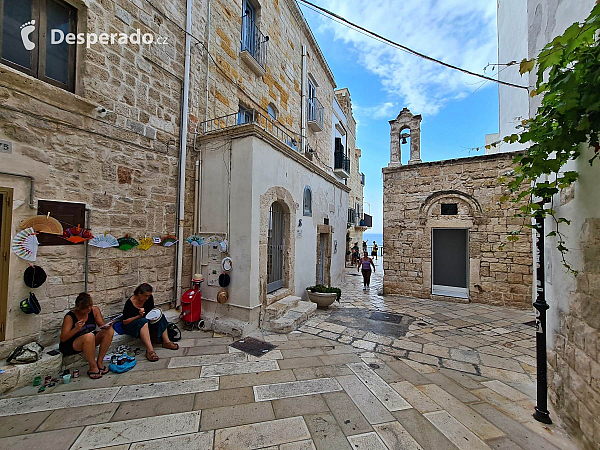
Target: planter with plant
323 296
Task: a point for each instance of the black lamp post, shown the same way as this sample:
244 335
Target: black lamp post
541 413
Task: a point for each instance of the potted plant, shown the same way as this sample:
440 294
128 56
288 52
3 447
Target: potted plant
323 296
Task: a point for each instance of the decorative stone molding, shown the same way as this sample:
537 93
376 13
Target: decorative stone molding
473 207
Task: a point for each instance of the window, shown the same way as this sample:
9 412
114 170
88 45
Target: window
68 214
272 111
26 29
449 209
248 27
245 115
307 201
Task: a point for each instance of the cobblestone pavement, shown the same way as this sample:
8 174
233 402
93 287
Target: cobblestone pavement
310 392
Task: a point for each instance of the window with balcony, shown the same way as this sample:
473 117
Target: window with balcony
253 42
314 108
245 115
26 29
341 162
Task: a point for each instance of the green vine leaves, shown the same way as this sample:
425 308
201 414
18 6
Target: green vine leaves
568 119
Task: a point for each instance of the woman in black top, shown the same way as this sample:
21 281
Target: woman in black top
136 325
78 334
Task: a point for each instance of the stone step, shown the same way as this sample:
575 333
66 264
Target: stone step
280 307
292 319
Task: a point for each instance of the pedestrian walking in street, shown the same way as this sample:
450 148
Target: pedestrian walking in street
374 251
355 254
365 246
365 264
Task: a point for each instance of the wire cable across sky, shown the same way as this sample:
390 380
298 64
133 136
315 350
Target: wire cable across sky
337 18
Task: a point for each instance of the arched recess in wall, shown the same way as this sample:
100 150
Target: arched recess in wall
475 210
307 202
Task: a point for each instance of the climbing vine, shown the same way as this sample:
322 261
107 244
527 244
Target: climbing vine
568 79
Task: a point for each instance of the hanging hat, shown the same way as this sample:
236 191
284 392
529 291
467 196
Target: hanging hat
224 280
43 224
25 244
222 296
30 305
104 241
127 243
34 276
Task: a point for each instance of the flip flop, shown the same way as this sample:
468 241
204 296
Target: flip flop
94 375
103 370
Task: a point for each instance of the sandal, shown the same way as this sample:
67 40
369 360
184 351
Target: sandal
151 356
94 375
103 370
171 345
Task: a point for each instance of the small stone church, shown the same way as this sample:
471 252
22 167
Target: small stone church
444 229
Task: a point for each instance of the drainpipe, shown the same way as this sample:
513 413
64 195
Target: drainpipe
207 59
88 221
303 110
196 208
183 132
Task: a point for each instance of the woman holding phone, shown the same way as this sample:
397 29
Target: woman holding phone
135 323
78 334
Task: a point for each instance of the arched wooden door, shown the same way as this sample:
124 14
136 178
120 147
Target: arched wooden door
275 248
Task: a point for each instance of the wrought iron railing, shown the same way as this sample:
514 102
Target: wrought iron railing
246 117
253 41
351 216
362 179
341 161
315 111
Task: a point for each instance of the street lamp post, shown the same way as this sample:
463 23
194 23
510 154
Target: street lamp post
541 413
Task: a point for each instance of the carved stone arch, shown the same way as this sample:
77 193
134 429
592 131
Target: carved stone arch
405 121
475 210
283 197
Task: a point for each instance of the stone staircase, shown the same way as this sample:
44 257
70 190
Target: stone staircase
287 314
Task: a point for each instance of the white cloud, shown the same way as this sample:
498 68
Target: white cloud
382 111
460 32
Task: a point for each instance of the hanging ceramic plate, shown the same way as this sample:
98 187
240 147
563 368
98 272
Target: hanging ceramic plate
168 241
227 264
127 243
195 240
43 224
25 244
104 241
146 243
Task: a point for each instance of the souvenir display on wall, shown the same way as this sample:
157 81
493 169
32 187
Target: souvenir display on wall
195 240
168 241
34 276
30 305
104 241
25 244
156 240
77 234
43 224
146 243
227 264
222 296
127 243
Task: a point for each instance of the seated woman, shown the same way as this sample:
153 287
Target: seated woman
78 334
135 323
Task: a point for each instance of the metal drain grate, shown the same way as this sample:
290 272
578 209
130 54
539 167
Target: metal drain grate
386 317
253 346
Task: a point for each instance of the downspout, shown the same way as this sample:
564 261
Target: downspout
183 132
88 221
196 208
207 59
303 109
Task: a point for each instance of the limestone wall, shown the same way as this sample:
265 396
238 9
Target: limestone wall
496 276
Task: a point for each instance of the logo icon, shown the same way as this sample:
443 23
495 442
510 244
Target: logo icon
26 30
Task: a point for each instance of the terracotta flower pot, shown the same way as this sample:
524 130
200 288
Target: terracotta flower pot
323 300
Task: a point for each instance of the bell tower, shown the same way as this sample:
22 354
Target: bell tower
404 126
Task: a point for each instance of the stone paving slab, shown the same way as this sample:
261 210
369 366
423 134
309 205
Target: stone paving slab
265 434
295 389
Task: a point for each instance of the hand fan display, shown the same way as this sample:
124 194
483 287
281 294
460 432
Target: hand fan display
127 243
77 234
195 240
43 224
25 244
105 241
146 243
168 240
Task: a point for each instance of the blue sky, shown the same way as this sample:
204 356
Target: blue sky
457 109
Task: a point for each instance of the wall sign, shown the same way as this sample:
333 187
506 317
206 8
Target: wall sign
6 146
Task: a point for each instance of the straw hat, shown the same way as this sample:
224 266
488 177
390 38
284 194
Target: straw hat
43 224
222 296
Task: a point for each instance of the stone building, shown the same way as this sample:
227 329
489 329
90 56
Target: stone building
444 226
92 133
573 320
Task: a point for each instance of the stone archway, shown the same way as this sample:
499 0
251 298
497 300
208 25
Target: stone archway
282 196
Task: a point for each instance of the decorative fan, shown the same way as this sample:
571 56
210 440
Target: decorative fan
77 234
127 243
214 239
168 240
223 245
156 240
43 224
25 244
105 241
195 240
146 243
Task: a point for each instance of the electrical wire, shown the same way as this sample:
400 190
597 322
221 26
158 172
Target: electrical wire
333 16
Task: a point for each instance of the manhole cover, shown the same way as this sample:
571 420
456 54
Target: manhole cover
253 346
386 317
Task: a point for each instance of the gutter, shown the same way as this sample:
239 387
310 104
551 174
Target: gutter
303 118
183 134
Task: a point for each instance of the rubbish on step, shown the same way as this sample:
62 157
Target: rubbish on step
47 380
66 372
75 373
66 378
37 381
41 389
